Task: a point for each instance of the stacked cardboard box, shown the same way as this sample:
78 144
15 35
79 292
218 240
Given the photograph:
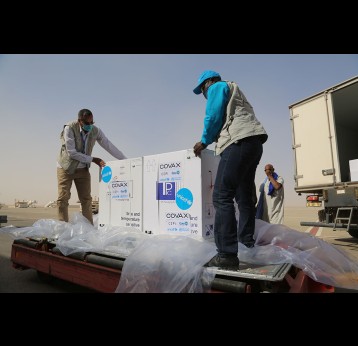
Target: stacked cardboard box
121 193
168 193
353 168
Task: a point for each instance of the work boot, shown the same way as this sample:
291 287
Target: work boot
229 262
249 244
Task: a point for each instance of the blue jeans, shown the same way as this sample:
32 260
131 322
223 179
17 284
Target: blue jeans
235 179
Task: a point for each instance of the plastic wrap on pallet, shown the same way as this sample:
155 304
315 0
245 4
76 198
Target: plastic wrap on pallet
321 261
44 228
168 264
275 244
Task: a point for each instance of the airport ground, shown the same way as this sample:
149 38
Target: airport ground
15 281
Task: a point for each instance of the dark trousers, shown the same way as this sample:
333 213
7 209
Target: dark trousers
235 179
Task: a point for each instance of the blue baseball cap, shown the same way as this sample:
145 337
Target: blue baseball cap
203 77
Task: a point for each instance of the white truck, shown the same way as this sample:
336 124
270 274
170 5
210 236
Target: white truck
325 146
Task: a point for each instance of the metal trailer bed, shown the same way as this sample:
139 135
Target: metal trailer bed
101 271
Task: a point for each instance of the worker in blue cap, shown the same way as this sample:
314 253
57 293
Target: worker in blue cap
230 121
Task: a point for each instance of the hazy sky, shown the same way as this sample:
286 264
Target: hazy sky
145 105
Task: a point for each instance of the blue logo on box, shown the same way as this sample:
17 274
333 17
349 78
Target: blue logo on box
106 174
166 191
184 199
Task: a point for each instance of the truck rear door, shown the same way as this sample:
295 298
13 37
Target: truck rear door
314 143
324 136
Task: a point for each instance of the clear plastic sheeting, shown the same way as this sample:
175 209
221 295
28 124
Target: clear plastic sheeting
83 237
78 235
321 261
168 264
164 263
44 228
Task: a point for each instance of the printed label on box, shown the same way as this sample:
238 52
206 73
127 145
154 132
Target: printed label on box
121 189
170 171
166 191
106 174
184 199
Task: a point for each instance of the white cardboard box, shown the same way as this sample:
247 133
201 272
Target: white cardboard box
120 194
353 168
177 193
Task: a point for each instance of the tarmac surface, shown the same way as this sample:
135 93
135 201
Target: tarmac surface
16 281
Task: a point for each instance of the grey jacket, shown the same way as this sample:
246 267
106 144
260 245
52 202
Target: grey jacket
240 121
64 159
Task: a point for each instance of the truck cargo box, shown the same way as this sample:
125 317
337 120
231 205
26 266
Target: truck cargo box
324 136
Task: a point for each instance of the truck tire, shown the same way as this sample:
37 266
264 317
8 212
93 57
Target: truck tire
321 215
353 233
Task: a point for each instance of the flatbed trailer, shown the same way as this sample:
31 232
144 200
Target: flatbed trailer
101 271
